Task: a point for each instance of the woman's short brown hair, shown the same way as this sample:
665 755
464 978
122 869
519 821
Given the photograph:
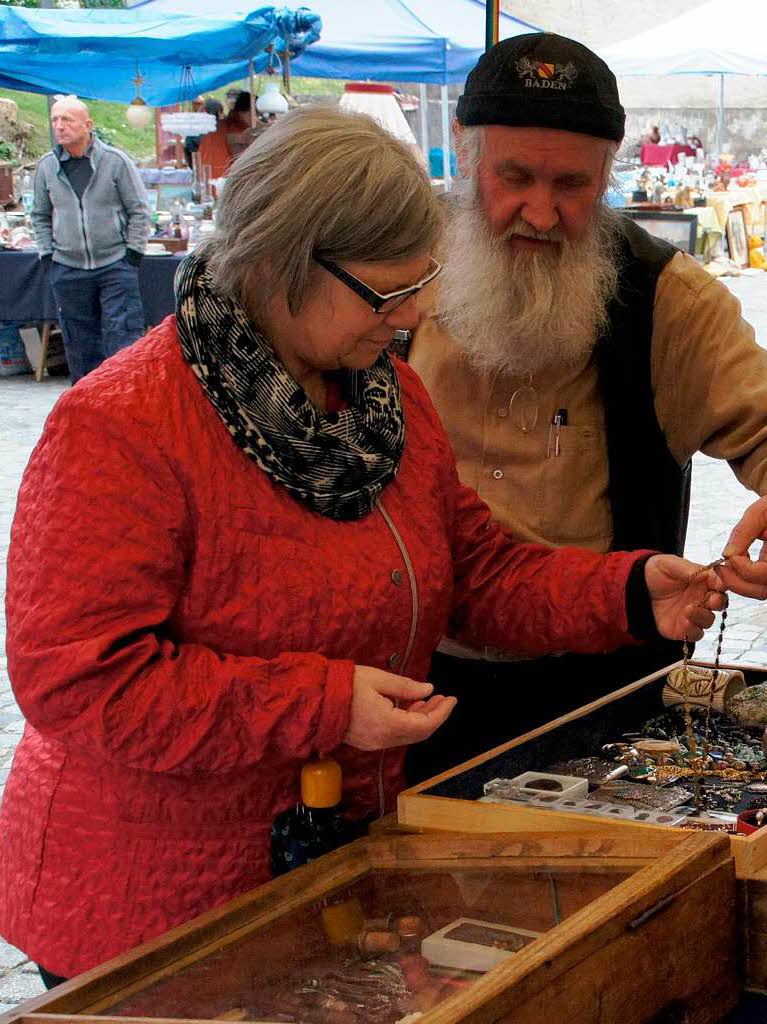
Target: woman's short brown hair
319 180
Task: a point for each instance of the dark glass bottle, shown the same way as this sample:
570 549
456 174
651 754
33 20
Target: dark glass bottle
315 826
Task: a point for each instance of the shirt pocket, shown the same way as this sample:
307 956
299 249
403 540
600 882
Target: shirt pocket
572 503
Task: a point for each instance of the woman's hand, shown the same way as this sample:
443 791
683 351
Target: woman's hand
375 722
684 596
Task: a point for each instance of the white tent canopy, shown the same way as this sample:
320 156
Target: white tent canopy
717 38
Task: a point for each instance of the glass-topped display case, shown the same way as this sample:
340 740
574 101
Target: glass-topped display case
645 759
400 928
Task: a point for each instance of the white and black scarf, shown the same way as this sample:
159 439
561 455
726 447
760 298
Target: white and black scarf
338 463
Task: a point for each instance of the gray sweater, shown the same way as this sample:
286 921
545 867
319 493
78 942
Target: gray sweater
112 216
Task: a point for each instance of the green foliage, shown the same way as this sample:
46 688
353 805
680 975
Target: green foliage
108 122
7 150
106 135
33 108
298 86
316 86
109 118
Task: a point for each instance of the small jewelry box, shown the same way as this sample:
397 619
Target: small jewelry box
538 783
470 945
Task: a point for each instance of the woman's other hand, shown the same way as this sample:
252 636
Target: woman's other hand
684 596
376 722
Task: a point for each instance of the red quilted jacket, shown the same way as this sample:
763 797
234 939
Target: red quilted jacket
182 636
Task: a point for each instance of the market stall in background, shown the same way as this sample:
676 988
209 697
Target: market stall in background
713 198
163 80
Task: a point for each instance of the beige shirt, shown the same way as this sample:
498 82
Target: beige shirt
709 380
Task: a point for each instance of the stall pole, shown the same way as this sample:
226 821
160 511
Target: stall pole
424 110
720 123
446 139
492 8
252 96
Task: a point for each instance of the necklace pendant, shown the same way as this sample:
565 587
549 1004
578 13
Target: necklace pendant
523 408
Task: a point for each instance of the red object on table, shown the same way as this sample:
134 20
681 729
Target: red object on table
747 823
657 155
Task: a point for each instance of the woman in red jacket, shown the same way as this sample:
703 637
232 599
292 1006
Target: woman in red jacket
237 545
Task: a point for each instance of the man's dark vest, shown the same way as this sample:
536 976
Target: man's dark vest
649 492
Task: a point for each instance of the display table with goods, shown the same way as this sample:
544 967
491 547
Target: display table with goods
26 295
444 929
670 753
751 198
660 155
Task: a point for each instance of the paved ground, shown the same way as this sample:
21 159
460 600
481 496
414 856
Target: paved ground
717 501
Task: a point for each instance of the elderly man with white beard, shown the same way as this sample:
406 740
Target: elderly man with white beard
577 364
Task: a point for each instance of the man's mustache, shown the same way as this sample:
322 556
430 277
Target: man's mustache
520 228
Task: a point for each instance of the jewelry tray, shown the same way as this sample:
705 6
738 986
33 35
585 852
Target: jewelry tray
452 800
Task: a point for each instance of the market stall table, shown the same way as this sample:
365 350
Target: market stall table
750 198
26 295
460 800
657 155
709 230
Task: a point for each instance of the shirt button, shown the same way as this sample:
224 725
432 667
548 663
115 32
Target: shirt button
503 411
393 659
497 474
396 577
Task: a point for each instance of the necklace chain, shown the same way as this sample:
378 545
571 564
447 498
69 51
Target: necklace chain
698 762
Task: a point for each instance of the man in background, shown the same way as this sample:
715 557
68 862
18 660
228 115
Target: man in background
577 363
91 223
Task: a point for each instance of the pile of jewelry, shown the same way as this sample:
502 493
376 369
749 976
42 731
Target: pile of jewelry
375 974
726 758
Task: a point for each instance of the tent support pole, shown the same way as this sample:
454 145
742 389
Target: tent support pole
252 96
446 139
424 112
720 123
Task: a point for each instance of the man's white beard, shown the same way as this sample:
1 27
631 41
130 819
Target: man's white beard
519 311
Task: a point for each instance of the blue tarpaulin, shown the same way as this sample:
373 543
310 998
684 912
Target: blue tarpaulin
95 53
429 41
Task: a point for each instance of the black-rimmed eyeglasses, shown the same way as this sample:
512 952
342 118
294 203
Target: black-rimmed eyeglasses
380 303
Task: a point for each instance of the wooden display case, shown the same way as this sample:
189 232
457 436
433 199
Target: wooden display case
628 931
450 801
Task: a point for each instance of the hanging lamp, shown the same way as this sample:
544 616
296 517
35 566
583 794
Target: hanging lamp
138 113
187 121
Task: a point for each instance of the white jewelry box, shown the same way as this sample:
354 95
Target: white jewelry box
467 944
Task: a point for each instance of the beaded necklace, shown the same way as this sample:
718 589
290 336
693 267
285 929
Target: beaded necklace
698 762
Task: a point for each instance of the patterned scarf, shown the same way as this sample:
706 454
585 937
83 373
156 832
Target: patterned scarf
338 463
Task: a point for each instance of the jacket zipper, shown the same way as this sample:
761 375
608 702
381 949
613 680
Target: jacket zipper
82 209
411 639
85 233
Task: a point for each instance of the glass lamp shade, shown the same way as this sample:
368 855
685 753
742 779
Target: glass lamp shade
138 114
271 100
188 122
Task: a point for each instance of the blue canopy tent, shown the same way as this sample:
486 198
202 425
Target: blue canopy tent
95 53
426 41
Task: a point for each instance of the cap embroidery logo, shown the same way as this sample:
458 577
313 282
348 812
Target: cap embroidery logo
542 75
